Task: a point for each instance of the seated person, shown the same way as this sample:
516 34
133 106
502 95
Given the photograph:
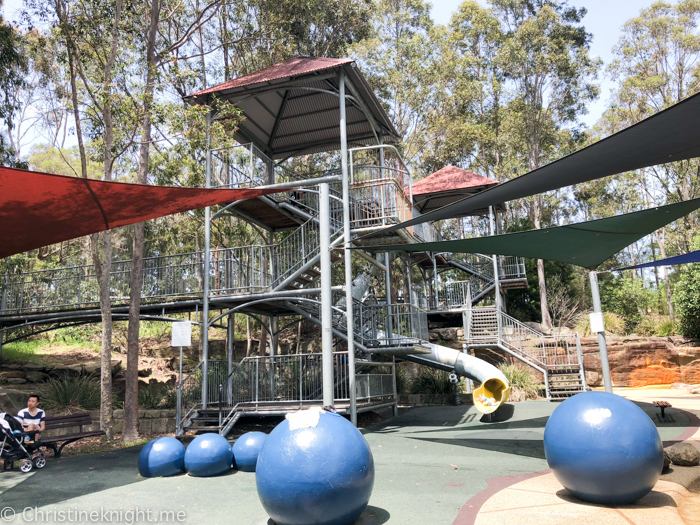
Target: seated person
32 417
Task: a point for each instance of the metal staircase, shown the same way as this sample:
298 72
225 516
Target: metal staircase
558 357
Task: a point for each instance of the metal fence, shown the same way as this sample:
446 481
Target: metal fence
189 389
240 166
486 326
453 294
390 325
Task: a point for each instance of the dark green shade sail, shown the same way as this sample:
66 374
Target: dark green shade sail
585 244
669 135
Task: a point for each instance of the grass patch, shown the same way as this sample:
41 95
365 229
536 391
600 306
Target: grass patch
27 351
431 381
71 393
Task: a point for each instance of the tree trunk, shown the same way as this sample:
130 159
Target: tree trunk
131 408
102 271
544 307
249 337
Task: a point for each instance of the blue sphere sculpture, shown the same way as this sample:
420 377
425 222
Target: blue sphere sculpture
163 456
603 448
208 455
321 473
246 450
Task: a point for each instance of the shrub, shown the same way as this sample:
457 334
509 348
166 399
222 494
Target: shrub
158 395
629 298
521 378
688 300
403 383
67 393
614 324
657 326
431 381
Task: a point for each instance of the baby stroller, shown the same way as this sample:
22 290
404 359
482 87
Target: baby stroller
16 445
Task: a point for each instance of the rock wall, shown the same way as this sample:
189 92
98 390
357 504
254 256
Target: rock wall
641 361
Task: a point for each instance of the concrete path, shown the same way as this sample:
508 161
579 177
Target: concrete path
434 465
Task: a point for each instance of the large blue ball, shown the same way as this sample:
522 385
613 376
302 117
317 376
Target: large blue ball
208 455
603 448
246 450
163 456
321 474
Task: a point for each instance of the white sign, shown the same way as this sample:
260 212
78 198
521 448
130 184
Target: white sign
182 333
597 322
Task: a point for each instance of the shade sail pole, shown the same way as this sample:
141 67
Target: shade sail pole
205 273
350 321
602 344
324 220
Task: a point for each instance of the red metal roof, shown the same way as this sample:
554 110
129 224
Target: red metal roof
450 178
289 68
39 209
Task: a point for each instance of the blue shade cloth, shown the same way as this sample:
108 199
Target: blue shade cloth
692 257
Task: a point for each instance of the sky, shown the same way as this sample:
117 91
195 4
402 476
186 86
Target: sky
604 20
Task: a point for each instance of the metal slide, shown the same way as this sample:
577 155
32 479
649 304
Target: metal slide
494 384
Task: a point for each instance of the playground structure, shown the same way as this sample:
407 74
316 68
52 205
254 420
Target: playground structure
296 108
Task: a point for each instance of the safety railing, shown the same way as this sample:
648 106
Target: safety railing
487 326
391 325
511 267
452 294
240 166
189 390
286 380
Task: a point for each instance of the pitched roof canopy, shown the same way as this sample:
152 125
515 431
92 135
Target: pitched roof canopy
667 136
446 186
292 108
586 244
39 209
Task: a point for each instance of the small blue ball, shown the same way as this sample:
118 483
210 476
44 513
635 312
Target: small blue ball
603 448
246 450
208 455
320 474
163 456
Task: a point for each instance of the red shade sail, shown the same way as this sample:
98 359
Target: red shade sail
38 209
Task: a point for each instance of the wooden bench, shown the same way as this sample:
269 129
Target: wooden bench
81 419
662 405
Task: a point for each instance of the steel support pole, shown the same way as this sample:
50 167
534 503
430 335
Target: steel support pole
496 275
324 219
178 405
348 252
602 343
3 307
205 273
435 281
229 353
387 286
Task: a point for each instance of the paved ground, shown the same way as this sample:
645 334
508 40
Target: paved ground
434 465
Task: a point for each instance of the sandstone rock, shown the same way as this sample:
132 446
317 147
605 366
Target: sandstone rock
667 461
684 454
446 334
695 391
145 372
10 374
33 366
15 380
433 336
680 386
34 376
92 369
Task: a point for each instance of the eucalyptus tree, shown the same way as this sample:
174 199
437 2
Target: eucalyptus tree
550 74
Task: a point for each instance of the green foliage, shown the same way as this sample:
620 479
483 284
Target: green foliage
82 392
657 326
614 324
521 378
431 381
403 383
629 298
158 395
688 299
22 351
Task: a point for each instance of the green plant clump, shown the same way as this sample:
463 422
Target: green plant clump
431 381
68 393
521 378
157 395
